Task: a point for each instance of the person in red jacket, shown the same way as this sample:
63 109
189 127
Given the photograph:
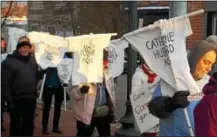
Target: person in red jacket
205 113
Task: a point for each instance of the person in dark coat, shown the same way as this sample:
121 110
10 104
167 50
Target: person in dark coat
205 113
52 87
3 105
20 76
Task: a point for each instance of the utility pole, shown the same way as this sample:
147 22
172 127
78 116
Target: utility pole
127 121
177 8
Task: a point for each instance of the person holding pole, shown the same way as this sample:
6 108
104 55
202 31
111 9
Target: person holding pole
170 109
213 39
3 105
52 87
94 105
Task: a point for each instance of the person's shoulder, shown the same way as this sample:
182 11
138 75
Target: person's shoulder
32 59
9 62
9 58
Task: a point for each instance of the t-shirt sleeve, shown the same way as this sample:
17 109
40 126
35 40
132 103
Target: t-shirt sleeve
74 44
34 37
184 26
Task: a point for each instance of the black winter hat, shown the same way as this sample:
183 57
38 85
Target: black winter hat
24 43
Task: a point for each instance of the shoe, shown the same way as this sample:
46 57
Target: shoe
57 130
45 131
3 129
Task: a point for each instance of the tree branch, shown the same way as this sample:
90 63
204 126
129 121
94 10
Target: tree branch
3 23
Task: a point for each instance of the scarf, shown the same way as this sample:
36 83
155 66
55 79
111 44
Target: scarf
151 75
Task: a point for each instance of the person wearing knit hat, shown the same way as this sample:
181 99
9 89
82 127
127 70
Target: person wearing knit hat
170 109
26 39
19 79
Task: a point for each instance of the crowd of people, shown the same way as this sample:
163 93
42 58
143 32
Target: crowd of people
94 104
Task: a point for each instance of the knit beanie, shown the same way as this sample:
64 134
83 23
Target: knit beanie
24 43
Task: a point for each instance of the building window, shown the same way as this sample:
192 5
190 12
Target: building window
60 4
34 28
215 26
153 2
36 5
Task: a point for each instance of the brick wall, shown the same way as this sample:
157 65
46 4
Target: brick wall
153 3
196 23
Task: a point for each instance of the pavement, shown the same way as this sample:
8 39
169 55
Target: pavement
68 121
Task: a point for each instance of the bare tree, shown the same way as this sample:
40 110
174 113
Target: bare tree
103 17
12 8
64 13
4 16
87 16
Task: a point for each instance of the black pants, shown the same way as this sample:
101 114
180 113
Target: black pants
101 123
47 99
22 117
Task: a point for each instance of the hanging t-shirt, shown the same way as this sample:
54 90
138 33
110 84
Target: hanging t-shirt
49 49
88 57
13 35
3 56
164 50
116 56
64 70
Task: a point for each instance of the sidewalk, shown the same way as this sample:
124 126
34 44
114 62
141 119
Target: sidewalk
67 124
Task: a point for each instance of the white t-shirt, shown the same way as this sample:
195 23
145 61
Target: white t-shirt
88 57
13 35
116 56
164 50
3 56
64 69
49 49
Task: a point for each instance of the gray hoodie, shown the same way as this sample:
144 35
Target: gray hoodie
213 39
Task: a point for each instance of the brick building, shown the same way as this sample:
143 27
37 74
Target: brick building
51 17
202 25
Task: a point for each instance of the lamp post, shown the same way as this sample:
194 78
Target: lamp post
177 8
127 120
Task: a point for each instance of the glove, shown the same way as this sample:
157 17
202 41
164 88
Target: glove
84 89
180 99
159 106
64 85
162 106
